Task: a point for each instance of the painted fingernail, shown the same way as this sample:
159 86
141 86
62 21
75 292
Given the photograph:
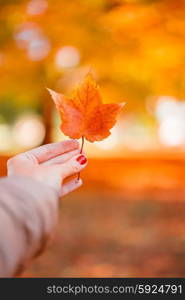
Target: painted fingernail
81 159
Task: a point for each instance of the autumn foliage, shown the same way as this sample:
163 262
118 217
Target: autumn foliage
84 114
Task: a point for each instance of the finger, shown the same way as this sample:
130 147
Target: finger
70 186
49 151
72 166
60 159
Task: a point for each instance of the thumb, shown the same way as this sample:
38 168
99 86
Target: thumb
73 166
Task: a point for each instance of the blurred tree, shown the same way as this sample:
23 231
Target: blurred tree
135 48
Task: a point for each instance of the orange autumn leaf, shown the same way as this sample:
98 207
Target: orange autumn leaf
84 114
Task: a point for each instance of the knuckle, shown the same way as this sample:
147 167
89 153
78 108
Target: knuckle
49 150
11 161
70 144
30 157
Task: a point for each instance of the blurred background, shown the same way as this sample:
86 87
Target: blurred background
129 217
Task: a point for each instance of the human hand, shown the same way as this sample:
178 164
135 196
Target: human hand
51 164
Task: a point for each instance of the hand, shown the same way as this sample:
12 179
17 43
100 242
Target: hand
51 164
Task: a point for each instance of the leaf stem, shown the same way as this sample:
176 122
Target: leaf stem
81 149
82 145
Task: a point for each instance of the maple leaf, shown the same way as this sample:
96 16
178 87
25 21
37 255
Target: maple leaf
84 114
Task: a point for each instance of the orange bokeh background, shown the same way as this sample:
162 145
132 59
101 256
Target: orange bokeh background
128 218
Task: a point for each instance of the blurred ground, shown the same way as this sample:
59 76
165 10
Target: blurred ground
128 222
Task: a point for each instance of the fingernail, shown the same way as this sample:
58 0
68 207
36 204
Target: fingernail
81 159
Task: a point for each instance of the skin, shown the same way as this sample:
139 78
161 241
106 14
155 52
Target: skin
50 164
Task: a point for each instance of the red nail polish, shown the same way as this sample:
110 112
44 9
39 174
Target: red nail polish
81 159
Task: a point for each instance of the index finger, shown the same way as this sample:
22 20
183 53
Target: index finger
48 151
